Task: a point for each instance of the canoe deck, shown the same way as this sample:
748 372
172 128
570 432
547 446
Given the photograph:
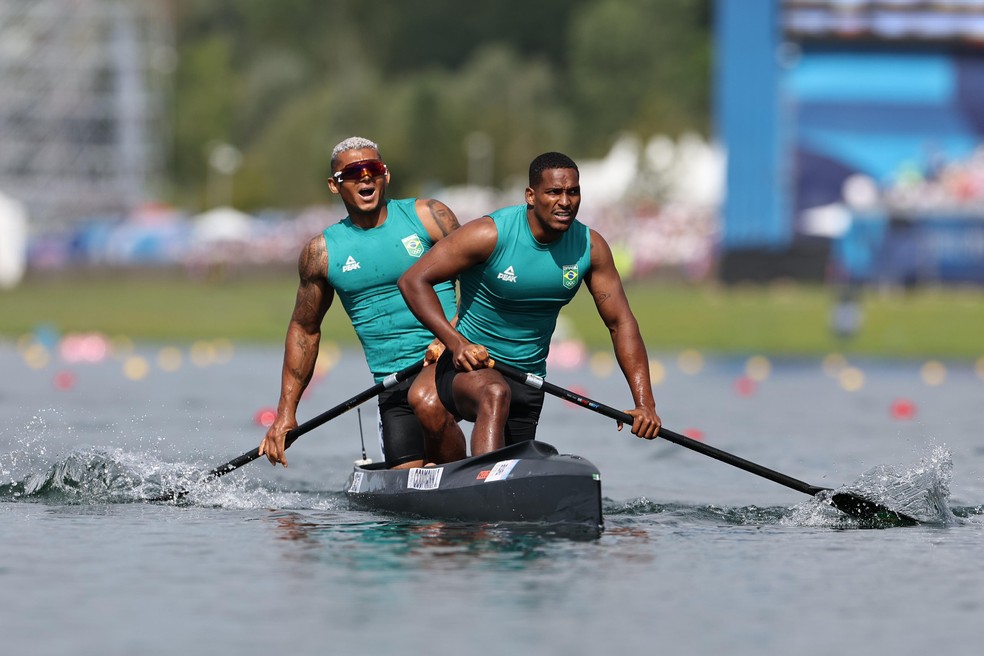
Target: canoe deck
529 482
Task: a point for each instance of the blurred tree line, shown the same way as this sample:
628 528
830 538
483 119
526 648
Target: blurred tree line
284 80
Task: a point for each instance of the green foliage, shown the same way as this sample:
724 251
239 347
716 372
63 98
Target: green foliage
284 81
288 164
201 119
640 66
447 33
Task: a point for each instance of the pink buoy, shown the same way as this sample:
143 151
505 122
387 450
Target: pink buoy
694 434
745 386
902 409
65 380
265 417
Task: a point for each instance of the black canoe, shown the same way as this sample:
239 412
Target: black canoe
529 482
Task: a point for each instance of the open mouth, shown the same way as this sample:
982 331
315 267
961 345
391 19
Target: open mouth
367 192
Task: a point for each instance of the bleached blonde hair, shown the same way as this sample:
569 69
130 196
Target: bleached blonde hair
352 143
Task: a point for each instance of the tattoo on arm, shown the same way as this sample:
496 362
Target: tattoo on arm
445 219
601 297
312 300
306 305
303 369
314 259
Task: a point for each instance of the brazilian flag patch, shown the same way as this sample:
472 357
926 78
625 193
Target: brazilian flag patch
570 276
413 245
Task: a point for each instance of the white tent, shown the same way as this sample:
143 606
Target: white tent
13 241
607 180
222 224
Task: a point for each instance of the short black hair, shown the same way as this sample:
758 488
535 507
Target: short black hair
548 161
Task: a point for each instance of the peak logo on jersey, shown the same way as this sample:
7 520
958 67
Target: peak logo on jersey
508 275
570 276
415 248
350 265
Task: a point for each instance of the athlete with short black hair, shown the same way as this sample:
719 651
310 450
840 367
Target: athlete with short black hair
517 267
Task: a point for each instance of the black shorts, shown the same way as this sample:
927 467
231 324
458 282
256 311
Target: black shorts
400 437
524 409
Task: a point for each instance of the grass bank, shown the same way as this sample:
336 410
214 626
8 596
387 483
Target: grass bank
254 307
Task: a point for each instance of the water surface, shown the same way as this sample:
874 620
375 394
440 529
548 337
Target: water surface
697 557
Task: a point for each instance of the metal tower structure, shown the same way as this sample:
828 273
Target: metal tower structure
82 98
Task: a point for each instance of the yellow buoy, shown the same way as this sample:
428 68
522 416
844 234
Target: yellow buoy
136 367
690 361
657 372
933 373
851 379
602 364
758 368
169 358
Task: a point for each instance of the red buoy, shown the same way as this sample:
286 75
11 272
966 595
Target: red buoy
902 409
694 434
65 379
265 417
745 386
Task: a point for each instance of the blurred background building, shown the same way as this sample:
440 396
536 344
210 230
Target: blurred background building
853 130
83 124
822 140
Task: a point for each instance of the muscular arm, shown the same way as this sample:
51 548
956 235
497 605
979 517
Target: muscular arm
465 247
606 288
314 297
438 219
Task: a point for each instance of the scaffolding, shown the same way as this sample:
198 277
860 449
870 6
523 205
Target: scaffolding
83 86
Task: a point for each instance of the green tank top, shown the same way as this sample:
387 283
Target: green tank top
509 304
363 267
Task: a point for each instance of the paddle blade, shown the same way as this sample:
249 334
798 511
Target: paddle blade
173 495
868 512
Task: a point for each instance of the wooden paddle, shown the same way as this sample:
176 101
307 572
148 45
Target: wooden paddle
848 503
294 433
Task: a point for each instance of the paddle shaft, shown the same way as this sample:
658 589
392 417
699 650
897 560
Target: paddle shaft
323 418
537 382
309 425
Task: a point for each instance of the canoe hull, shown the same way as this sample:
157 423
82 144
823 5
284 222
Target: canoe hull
528 482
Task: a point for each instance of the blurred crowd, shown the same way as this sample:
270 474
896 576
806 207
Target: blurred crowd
643 199
647 237
942 185
937 186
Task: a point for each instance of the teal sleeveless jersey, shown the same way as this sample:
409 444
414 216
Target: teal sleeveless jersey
509 304
363 267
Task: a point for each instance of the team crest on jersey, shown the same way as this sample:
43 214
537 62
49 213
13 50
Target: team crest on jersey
570 275
413 245
508 275
350 265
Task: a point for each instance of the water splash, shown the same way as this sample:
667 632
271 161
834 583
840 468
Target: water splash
921 492
636 507
94 475
29 450
667 513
